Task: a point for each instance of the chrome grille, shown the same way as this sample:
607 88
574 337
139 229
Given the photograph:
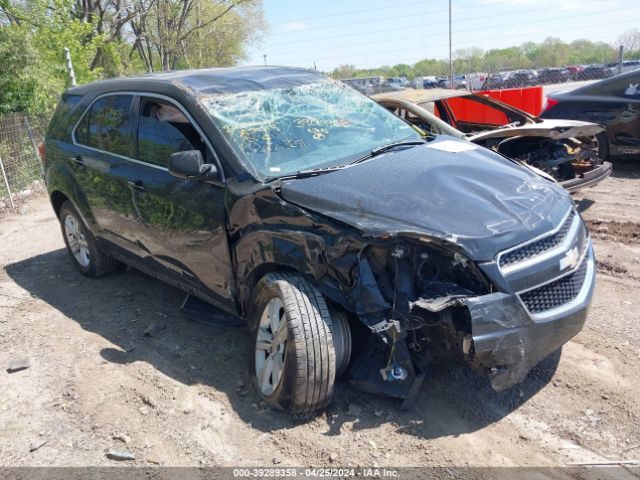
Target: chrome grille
540 246
557 293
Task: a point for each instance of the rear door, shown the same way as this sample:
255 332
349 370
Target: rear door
104 142
181 223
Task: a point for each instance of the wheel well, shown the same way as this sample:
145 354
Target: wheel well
263 269
254 277
57 199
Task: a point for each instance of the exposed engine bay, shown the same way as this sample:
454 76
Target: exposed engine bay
421 284
563 159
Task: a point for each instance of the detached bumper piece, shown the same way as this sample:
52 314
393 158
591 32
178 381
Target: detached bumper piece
588 179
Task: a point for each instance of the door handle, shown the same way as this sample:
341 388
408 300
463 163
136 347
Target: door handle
78 161
137 185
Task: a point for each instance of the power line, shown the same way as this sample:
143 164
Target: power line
475 43
353 12
413 37
429 12
537 9
414 14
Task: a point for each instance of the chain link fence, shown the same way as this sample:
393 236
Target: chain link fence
480 77
21 172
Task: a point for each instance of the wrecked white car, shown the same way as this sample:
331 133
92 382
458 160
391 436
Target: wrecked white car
570 151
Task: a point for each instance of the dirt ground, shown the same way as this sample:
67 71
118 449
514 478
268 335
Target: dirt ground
182 396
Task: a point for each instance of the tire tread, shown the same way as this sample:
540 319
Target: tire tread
310 323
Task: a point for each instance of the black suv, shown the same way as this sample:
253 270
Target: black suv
349 240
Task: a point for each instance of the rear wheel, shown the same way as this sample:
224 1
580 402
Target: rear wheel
292 353
81 245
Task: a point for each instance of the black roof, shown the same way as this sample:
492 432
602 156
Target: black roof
206 81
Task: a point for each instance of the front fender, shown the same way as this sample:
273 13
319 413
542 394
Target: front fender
337 266
260 251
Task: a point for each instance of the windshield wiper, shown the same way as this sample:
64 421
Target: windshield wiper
385 148
312 172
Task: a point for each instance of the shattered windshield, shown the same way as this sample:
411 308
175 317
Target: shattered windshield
282 131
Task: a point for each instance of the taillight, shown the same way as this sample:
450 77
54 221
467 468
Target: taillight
549 104
41 151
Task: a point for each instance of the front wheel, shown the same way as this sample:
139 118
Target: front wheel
293 358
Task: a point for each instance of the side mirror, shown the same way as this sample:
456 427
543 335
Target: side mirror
190 165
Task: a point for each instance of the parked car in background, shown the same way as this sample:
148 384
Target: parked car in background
594 72
613 102
553 75
574 71
475 81
347 240
427 82
630 65
567 150
519 79
627 66
370 85
494 81
459 81
398 82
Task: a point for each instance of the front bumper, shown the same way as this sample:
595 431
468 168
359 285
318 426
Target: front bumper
588 179
508 340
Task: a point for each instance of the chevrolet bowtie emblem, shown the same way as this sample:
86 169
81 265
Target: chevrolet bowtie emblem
570 259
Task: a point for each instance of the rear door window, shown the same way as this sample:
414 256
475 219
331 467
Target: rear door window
108 126
162 130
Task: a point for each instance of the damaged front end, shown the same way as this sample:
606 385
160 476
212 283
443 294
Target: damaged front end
431 253
435 303
414 314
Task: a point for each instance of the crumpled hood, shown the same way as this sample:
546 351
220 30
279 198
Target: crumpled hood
448 189
555 129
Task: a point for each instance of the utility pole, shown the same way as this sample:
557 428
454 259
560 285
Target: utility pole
450 56
620 58
265 59
70 72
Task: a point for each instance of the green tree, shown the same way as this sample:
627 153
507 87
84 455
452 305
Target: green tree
173 34
108 38
22 86
344 71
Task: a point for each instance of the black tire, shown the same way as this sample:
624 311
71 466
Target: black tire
99 263
308 374
603 146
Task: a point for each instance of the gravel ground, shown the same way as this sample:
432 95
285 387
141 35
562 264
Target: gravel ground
182 396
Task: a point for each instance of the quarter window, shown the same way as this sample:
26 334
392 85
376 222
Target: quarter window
108 126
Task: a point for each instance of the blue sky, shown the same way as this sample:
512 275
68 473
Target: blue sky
370 33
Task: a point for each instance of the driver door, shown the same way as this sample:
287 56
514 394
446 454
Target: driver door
182 223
